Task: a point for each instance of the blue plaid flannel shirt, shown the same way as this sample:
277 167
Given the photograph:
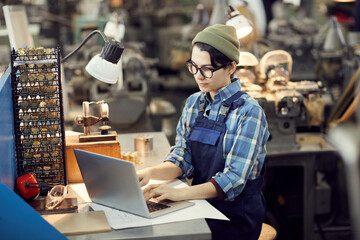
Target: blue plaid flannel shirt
244 142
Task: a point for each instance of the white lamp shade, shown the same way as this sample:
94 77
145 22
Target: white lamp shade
103 70
242 25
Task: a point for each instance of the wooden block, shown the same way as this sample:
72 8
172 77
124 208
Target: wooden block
79 223
108 148
97 137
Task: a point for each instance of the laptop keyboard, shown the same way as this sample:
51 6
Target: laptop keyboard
156 206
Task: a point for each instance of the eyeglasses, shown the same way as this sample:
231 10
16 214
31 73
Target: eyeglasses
205 71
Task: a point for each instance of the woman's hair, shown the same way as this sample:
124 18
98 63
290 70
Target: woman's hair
217 58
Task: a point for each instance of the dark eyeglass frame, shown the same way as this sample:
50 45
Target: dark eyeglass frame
212 70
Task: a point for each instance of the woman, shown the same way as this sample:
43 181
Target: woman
220 141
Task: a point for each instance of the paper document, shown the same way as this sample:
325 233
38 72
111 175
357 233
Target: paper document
119 219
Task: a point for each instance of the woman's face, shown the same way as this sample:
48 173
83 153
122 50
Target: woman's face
220 78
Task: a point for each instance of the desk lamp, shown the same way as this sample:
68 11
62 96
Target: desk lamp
104 65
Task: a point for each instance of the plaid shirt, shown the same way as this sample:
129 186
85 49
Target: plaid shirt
244 142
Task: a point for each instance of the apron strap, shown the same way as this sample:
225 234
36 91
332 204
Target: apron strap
202 106
201 109
226 105
229 103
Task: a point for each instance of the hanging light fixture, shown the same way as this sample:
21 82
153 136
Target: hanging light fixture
104 66
239 22
334 39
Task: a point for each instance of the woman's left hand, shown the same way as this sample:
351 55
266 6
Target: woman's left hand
162 192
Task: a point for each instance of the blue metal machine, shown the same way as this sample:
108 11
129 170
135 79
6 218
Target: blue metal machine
7 139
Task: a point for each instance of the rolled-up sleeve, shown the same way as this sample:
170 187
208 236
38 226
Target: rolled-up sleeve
246 150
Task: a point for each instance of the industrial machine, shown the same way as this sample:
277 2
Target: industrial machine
296 37
287 104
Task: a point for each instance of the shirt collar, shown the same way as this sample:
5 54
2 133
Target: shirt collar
226 91
229 90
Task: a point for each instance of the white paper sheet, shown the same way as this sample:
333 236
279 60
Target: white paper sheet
119 219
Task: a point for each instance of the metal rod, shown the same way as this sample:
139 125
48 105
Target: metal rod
86 113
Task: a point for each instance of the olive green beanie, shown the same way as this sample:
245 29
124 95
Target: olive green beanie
221 37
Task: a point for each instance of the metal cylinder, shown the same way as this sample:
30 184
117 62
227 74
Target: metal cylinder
144 145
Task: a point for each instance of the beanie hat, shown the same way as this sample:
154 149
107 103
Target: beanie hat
221 37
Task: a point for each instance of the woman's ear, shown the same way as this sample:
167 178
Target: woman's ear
232 67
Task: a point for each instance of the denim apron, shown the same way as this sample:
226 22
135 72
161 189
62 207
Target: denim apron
247 211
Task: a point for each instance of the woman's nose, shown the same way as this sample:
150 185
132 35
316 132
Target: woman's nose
199 75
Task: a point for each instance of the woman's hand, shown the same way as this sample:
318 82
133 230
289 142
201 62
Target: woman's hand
162 192
163 171
144 176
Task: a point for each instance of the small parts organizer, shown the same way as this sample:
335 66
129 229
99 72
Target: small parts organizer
38 114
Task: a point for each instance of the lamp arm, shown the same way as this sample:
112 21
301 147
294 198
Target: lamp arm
83 42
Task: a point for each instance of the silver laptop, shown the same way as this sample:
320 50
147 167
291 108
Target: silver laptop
113 182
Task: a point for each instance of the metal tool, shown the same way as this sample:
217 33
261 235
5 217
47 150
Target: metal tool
87 120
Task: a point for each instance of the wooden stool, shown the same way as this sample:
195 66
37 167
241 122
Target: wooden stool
267 232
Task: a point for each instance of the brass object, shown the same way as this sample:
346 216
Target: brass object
87 120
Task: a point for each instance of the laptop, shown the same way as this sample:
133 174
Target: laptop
113 182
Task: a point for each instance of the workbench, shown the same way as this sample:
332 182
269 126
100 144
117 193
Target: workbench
312 148
192 229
